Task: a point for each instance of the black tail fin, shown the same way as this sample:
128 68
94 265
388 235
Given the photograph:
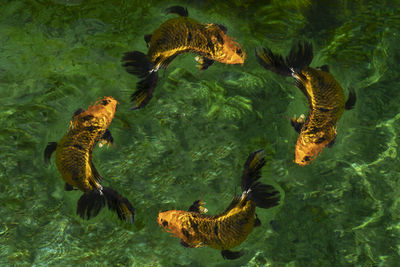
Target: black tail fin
272 62
138 64
300 56
265 196
90 204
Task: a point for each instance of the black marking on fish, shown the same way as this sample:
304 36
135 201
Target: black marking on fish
216 229
87 117
77 112
220 39
92 128
223 28
210 45
323 109
77 146
105 102
185 233
189 38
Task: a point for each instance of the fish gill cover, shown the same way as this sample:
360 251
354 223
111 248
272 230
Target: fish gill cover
57 56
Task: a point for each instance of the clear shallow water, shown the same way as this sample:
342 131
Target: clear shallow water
192 139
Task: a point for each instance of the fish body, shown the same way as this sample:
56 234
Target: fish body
223 232
326 106
74 160
230 228
174 37
74 151
325 97
184 34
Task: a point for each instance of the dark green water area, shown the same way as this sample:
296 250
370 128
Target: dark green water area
192 139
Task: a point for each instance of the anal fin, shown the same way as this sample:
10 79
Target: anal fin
231 255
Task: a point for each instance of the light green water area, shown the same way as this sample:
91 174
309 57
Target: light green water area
192 139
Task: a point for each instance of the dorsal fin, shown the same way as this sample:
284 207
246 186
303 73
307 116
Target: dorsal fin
235 201
179 10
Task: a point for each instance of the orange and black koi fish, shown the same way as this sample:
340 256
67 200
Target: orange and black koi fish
177 36
325 97
74 160
230 228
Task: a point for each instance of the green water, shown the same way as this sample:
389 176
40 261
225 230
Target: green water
193 138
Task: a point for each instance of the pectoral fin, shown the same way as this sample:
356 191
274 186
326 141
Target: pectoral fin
68 187
324 68
50 148
196 207
257 222
147 39
106 138
204 63
186 245
231 255
297 123
331 143
351 101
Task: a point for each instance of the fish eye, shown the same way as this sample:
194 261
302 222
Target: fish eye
239 51
164 223
105 102
306 158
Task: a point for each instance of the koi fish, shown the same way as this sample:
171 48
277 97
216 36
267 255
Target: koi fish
74 160
177 36
325 97
231 227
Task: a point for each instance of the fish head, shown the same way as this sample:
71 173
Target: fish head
304 154
232 51
101 113
308 149
171 223
226 49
